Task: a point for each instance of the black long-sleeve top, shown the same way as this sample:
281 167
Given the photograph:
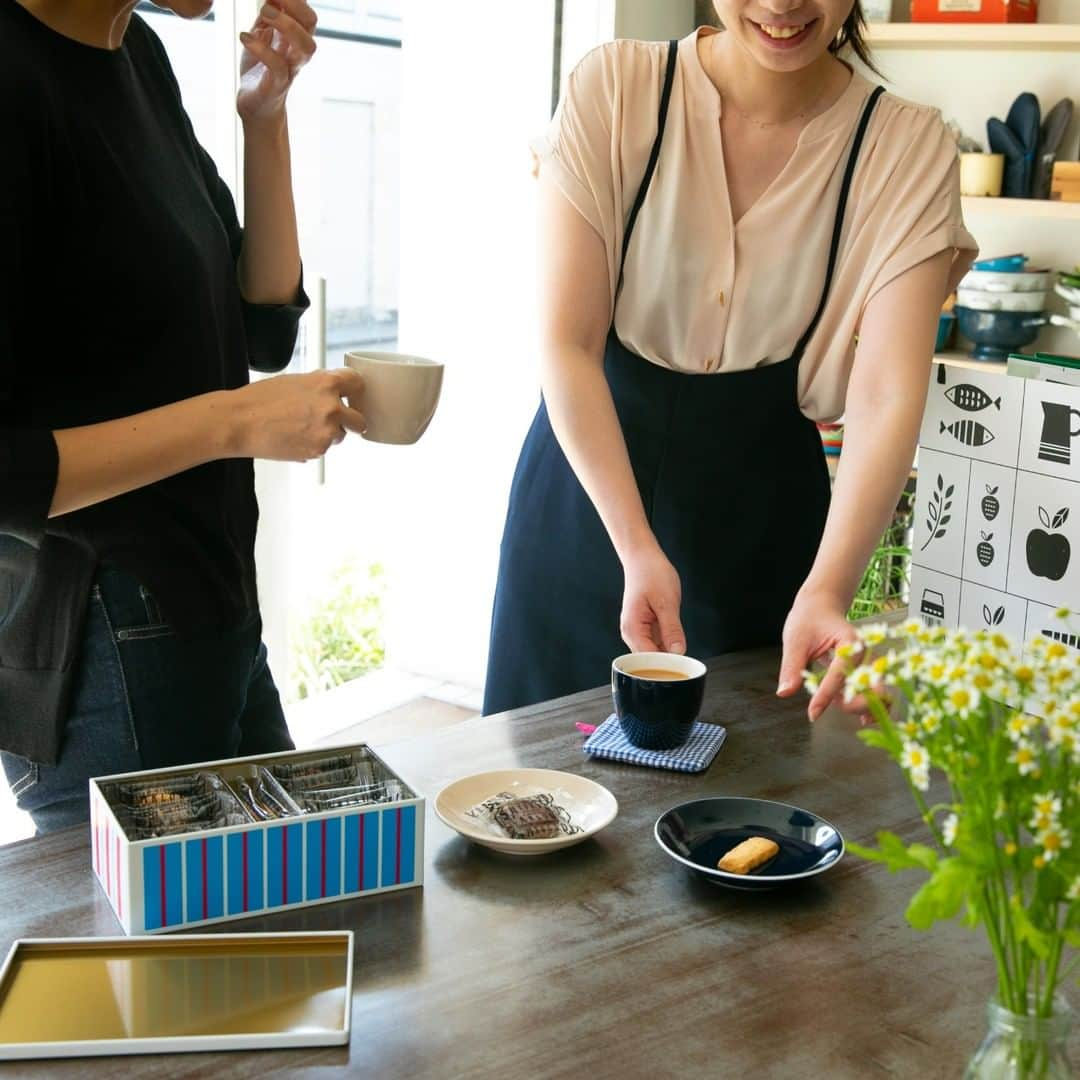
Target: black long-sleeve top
118 293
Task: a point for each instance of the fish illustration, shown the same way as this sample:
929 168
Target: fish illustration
968 432
971 398
1072 640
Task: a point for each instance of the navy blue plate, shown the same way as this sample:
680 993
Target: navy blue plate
699 833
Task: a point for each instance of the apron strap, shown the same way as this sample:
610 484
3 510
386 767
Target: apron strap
654 156
838 222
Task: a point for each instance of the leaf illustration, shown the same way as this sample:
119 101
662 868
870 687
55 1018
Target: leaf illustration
949 491
1044 517
988 615
938 512
1061 517
991 490
999 616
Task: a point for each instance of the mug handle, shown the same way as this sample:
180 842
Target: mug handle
1076 413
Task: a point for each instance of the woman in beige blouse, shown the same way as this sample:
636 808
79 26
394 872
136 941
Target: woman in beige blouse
672 490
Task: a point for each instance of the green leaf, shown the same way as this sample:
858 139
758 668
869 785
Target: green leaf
924 856
896 855
943 895
873 736
1036 940
1072 939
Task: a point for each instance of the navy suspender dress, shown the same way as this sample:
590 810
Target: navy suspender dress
734 484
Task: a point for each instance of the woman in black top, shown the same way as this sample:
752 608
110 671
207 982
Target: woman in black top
131 307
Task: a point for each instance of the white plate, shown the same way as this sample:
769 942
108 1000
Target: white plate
589 805
981 300
1005 281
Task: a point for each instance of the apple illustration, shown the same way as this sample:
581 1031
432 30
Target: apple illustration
1048 553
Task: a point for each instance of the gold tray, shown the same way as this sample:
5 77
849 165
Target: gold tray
78 997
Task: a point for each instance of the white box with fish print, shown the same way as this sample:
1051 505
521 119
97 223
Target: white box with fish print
1006 549
939 525
973 415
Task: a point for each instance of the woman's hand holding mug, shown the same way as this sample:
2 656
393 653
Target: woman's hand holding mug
296 417
652 598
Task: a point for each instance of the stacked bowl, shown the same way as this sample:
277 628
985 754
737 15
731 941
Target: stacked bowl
1001 306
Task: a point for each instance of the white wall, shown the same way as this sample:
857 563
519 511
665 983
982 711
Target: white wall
654 20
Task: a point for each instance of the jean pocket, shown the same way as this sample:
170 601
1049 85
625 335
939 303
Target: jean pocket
22 774
154 627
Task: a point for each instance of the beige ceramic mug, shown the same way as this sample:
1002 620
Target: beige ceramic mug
400 394
981 174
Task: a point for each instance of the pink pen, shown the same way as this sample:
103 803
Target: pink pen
585 729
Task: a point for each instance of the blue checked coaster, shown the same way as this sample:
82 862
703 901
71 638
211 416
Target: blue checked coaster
695 755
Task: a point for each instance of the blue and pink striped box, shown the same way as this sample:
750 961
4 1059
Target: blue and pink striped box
231 873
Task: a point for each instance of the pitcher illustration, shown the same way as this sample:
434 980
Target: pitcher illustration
1058 433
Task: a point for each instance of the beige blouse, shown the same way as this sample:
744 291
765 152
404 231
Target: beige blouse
702 295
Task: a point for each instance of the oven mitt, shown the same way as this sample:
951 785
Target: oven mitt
1023 120
1053 132
1003 141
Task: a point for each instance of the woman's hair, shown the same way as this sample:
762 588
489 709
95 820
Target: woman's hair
852 34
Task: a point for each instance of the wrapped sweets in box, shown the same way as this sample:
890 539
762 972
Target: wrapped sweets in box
182 847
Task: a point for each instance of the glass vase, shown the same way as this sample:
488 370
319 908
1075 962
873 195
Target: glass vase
1018 1047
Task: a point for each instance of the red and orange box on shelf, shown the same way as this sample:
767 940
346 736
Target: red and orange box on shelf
975 11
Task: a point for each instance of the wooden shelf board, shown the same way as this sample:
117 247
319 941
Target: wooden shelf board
962 359
1031 208
974 35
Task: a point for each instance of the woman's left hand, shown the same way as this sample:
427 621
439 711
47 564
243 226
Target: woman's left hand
816 626
280 43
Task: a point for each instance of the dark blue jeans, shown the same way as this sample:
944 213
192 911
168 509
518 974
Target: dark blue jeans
147 698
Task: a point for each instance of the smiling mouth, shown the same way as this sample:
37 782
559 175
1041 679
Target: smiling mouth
783 34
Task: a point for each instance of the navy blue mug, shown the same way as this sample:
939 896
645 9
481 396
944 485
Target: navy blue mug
657 697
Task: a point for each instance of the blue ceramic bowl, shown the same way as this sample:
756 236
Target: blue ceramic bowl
997 333
654 713
700 833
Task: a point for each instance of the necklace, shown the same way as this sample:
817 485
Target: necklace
774 123
769 123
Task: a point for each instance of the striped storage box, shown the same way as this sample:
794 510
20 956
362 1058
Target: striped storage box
175 882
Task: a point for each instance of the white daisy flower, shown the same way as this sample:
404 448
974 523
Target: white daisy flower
962 698
1053 841
874 634
920 778
1024 758
1019 726
860 681
948 830
931 721
1046 805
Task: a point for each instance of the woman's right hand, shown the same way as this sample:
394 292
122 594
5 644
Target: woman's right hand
297 417
652 597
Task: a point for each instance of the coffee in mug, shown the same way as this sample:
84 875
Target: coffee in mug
657 697
400 394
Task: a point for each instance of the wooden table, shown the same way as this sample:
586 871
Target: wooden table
607 960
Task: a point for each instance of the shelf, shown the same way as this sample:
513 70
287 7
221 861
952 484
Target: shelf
974 35
1030 208
962 359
